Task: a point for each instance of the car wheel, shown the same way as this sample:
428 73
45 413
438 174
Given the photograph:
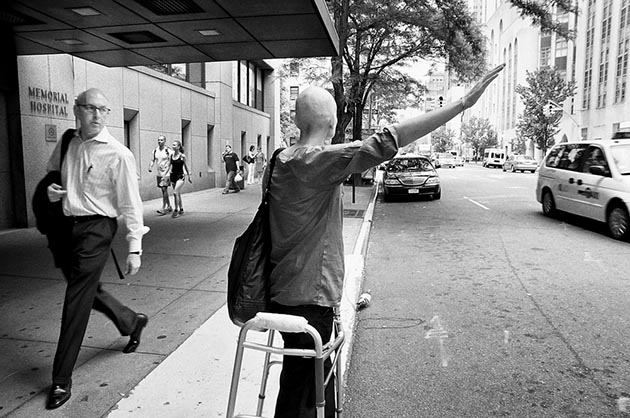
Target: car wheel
548 204
438 195
618 223
513 169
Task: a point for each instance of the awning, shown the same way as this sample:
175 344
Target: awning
144 32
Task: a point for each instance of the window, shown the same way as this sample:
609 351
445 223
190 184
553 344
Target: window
251 85
294 92
174 70
294 68
248 84
567 157
242 82
210 144
588 55
545 57
595 157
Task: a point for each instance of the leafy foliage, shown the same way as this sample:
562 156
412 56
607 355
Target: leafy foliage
479 133
442 139
519 145
375 36
534 124
540 11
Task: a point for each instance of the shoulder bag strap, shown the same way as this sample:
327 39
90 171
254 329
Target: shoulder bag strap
65 142
272 164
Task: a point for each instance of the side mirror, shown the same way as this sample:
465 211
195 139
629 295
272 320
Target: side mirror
598 170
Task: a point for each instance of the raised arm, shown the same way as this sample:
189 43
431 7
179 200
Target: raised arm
411 129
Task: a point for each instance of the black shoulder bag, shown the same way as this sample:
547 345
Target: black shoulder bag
250 266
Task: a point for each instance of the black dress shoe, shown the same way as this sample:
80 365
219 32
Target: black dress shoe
134 338
58 395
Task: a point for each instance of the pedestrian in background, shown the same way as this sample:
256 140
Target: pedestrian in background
99 183
305 216
249 160
260 161
162 157
178 172
231 167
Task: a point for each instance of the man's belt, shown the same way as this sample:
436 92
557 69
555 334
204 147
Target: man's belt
86 218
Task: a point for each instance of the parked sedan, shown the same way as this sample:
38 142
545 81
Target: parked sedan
520 163
411 175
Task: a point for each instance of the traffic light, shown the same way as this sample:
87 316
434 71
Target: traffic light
440 100
551 108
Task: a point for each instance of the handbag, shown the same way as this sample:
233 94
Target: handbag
238 177
250 265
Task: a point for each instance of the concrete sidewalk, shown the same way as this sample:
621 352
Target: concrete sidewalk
184 364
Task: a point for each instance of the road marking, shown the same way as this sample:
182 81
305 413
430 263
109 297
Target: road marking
476 203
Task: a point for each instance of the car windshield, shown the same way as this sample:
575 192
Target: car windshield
409 164
621 157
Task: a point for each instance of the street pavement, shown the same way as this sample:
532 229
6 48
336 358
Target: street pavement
184 363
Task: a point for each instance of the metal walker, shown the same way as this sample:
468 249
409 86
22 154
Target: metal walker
271 322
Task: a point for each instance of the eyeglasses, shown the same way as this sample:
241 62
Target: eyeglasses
104 110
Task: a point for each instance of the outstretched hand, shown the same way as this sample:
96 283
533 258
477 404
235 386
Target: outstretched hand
475 93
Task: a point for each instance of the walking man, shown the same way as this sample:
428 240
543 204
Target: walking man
231 167
162 157
98 184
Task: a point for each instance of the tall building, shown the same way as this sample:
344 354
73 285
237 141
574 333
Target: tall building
597 60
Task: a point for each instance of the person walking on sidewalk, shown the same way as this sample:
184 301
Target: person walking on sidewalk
249 160
178 172
260 161
161 157
231 167
98 184
305 217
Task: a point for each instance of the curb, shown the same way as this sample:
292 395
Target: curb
353 281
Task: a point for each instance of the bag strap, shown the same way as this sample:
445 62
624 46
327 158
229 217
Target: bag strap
272 164
65 143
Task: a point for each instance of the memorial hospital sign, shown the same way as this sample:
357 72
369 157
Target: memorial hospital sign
48 102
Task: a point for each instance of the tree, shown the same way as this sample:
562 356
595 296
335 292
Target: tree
535 123
442 139
519 145
375 36
479 134
542 14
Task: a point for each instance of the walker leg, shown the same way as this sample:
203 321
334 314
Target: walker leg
265 376
236 373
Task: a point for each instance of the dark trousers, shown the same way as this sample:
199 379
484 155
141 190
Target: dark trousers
88 247
296 397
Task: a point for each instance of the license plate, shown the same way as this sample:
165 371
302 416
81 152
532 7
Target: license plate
413 191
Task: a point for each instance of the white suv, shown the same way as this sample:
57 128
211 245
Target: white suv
590 179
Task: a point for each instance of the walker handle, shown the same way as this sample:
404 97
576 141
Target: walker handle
280 322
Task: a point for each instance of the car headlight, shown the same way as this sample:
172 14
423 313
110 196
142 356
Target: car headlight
391 181
433 180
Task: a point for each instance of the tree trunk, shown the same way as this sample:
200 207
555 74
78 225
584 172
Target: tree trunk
343 116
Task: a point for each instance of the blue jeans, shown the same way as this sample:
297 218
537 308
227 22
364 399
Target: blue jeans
229 183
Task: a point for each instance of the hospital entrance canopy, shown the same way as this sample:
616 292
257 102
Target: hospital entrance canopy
118 33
